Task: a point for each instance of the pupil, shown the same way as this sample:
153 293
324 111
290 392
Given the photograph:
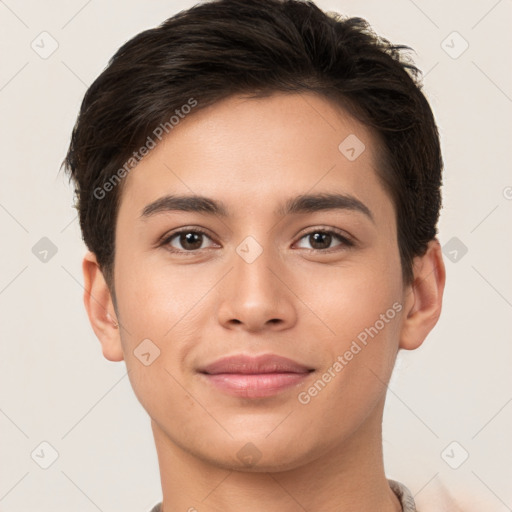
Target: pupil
324 239
191 240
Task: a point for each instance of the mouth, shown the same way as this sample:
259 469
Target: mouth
255 377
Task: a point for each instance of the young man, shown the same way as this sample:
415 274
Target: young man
258 183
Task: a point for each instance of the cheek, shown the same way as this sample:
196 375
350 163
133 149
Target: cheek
357 360
360 312
364 313
349 299
155 304
153 297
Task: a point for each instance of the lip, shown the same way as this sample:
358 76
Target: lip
255 377
246 364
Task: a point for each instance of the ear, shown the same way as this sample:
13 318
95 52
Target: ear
100 309
424 297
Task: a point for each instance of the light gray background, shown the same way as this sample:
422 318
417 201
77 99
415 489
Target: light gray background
56 387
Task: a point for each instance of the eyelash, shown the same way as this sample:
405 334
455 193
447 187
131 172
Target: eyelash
345 242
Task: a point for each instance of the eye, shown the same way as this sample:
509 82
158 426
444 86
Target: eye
186 240
320 240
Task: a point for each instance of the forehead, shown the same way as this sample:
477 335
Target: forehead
262 149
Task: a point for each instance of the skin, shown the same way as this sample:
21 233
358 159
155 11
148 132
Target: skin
196 307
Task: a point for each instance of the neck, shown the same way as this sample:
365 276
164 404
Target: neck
341 478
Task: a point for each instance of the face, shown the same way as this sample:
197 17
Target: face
259 270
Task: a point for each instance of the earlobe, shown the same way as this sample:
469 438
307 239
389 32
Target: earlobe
100 309
424 297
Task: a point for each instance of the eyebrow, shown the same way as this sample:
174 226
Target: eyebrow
305 203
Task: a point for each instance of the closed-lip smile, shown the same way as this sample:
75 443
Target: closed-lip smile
249 376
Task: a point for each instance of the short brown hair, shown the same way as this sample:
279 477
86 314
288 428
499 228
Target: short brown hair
221 48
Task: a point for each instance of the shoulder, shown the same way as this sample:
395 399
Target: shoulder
436 497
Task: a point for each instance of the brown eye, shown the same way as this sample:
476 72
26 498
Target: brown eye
320 240
191 241
186 241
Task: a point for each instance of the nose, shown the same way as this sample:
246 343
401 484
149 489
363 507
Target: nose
254 296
